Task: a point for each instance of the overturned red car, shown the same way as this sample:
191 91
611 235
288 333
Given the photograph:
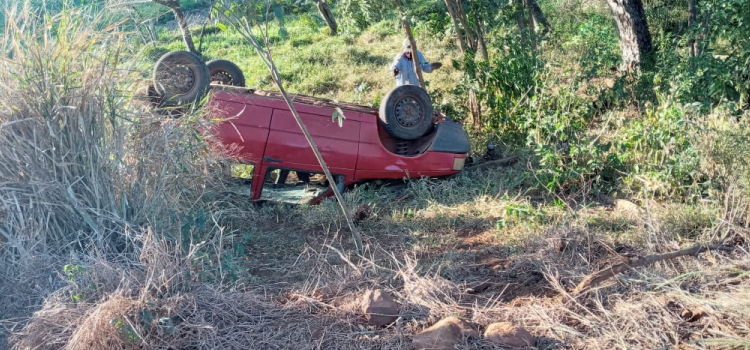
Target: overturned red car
270 145
403 139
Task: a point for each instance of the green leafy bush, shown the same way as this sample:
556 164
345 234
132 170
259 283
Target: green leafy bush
660 153
527 106
503 84
572 160
594 45
356 15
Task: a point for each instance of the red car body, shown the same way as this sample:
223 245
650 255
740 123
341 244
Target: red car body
260 129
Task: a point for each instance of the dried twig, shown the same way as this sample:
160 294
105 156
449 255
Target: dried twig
600 276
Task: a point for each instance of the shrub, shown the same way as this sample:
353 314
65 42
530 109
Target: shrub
594 45
660 152
503 84
527 106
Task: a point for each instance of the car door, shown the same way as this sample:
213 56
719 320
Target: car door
288 148
243 134
245 131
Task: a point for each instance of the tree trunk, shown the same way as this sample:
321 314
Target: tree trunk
539 18
465 23
325 12
482 43
702 42
691 26
413 43
467 41
475 108
187 37
532 26
520 20
454 17
632 29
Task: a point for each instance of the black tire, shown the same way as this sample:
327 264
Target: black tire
225 72
180 77
406 112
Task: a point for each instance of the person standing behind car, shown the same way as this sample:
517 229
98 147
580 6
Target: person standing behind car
403 66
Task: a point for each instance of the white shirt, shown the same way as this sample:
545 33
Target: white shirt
406 74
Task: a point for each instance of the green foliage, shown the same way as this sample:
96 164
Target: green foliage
721 73
77 276
152 53
704 79
660 152
505 82
357 15
524 211
310 22
528 107
434 25
242 171
594 45
384 29
73 270
162 14
725 149
572 161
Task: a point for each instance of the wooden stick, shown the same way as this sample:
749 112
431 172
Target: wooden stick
244 28
414 52
600 276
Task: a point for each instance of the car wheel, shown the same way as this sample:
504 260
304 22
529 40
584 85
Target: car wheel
180 77
225 72
406 112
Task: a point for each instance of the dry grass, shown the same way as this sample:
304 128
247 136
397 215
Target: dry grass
640 309
153 305
81 167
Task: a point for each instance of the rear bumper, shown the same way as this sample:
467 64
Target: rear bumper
451 138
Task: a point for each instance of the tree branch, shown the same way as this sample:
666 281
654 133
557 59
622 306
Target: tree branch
600 276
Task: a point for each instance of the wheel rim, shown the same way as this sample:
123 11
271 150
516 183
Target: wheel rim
221 76
178 77
409 112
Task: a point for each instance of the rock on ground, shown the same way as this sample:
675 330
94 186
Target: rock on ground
379 307
444 335
506 334
628 208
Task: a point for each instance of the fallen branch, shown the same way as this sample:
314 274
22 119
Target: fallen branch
600 276
500 162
